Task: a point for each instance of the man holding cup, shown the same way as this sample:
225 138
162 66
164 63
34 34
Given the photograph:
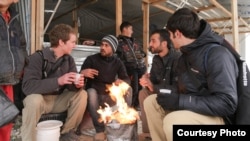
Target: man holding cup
58 91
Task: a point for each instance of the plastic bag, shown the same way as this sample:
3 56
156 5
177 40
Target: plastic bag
8 110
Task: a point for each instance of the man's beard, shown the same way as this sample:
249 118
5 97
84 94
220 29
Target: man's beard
154 51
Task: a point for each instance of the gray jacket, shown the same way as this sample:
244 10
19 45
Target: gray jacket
12 50
33 81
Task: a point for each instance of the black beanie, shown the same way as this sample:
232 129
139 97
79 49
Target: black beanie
112 40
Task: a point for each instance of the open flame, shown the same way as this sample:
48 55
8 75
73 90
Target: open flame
121 112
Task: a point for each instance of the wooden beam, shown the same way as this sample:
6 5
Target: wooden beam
152 1
118 16
204 8
240 32
37 24
33 26
234 9
228 27
145 9
75 23
218 19
218 5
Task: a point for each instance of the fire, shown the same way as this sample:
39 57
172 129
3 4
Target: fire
121 112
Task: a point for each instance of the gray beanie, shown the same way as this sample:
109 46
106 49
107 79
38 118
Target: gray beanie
112 40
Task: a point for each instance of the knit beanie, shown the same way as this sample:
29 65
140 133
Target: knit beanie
112 40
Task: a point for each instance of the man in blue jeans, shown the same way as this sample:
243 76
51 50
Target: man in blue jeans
103 69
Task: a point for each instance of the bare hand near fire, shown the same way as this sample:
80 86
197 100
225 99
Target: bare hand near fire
145 81
118 82
68 78
90 73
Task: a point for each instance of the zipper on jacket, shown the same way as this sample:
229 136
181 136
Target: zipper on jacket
9 46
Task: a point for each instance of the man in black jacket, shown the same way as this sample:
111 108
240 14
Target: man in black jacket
162 72
103 69
132 55
216 103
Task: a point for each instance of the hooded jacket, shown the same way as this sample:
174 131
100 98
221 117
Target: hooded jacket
219 77
12 49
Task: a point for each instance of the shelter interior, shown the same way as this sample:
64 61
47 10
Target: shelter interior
93 19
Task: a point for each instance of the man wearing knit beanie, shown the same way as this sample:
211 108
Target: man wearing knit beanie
112 40
102 69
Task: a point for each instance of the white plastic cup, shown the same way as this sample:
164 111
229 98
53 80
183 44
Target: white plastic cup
77 78
48 130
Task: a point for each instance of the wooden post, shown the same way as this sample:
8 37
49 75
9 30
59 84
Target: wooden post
37 25
145 9
75 23
118 16
235 21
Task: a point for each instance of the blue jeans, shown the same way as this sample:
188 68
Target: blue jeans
96 100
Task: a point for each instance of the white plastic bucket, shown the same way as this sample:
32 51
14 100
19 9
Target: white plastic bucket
48 130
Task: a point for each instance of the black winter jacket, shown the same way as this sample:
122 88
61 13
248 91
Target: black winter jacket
110 68
163 70
219 77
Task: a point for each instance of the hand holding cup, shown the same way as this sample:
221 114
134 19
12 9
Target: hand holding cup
79 80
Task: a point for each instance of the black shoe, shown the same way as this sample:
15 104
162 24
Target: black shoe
70 136
147 139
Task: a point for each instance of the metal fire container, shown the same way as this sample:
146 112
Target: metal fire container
121 132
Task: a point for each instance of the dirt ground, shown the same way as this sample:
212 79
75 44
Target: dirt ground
15 135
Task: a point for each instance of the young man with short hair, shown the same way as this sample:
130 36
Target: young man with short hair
214 101
57 92
162 73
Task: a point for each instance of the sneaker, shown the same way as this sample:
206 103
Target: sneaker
88 132
100 136
70 136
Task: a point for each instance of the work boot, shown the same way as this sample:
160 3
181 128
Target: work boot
101 136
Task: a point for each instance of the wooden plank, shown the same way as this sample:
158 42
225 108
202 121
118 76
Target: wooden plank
152 1
40 24
118 16
204 8
37 21
145 9
234 9
75 23
33 26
